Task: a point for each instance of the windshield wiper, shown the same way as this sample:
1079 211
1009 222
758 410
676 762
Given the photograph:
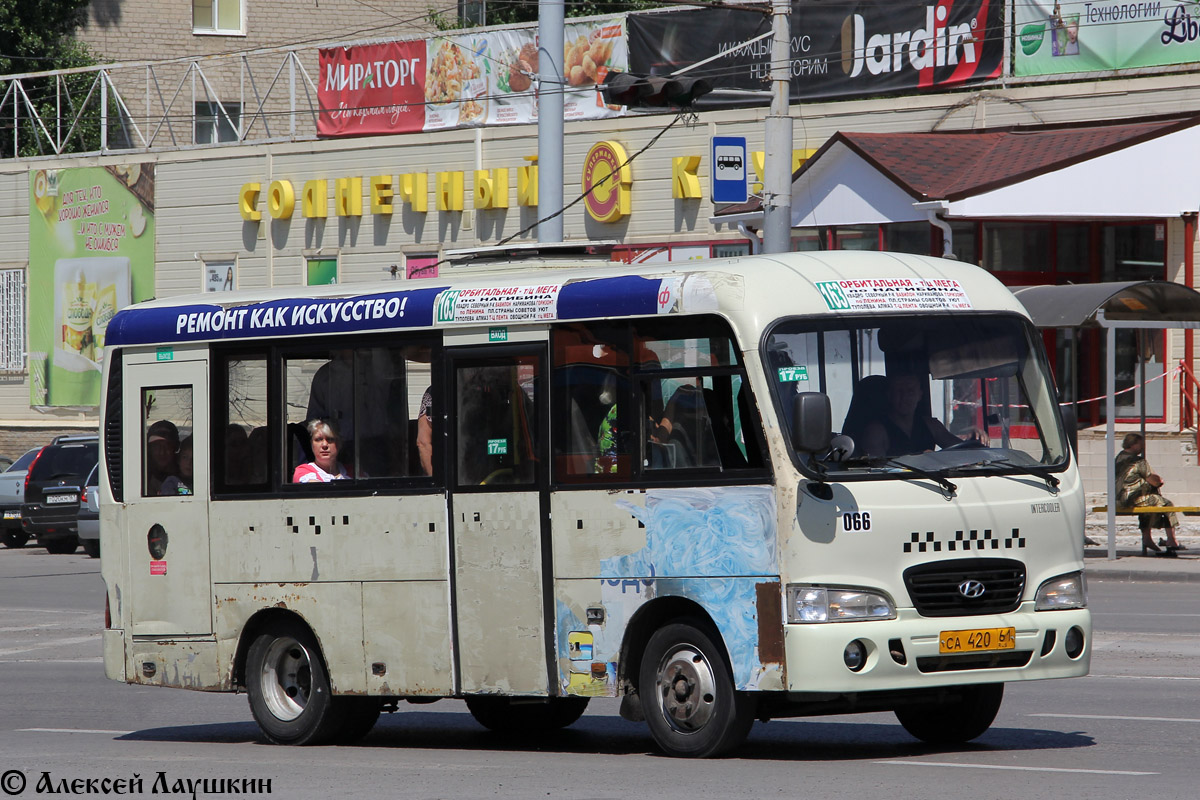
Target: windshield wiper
1037 472
940 480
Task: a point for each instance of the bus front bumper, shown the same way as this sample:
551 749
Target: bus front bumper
905 653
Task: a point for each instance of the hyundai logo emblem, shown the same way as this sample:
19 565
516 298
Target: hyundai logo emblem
971 589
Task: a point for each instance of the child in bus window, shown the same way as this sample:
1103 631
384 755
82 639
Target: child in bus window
180 484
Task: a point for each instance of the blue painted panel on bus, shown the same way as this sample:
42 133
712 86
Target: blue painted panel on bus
288 317
712 546
625 296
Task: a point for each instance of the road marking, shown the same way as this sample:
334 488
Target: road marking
71 730
1018 769
96 660
1148 677
1107 716
95 637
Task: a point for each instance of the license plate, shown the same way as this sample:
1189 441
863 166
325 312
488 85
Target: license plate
975 640
58 499
15 514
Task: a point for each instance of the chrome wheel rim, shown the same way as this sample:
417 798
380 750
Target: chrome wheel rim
286 678
687 689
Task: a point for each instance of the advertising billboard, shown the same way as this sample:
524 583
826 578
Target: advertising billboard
1059 37
845 49
91 253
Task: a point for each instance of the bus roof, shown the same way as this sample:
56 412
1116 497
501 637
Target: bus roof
751 290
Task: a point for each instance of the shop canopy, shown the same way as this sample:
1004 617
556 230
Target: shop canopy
1154 305
1116 170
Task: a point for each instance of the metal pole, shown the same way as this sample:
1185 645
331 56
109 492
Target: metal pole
551 15
1110 405
777 164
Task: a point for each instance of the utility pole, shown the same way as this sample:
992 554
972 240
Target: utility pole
777 164
551 18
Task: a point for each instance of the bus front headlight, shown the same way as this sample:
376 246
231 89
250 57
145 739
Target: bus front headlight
834 604
1065 591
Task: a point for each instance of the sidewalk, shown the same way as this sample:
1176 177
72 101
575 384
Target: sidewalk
1130 565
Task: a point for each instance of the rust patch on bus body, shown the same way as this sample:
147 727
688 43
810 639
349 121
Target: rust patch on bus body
770 623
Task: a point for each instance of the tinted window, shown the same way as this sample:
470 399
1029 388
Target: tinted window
24 461
66 460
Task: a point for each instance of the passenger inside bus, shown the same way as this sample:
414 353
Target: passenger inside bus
325 466
890 417
162 449
180 484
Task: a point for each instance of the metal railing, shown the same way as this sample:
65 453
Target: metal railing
261 95
1189 400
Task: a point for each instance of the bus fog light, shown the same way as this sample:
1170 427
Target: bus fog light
832 604
1065 591
855 655
1074 642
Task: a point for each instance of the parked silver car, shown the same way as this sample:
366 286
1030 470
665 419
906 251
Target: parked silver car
89 514
12 494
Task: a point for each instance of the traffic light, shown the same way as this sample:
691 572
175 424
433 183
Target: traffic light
647 91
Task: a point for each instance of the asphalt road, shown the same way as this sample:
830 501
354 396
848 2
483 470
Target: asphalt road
1131 729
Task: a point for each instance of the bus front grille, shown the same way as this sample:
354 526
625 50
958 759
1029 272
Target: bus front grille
1010 658
965 586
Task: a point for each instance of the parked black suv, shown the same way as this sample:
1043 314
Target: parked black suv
52 488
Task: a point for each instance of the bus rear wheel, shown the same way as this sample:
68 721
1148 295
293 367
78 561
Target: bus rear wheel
289 687
956 721
688 696
503 715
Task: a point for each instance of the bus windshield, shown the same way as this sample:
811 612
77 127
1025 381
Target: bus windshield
948 393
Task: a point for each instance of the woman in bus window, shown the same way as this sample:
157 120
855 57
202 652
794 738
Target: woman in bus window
325 466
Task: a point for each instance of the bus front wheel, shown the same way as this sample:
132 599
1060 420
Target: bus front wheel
289 688
688 696
954 721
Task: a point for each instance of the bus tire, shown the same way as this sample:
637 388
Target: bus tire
15 539
289 688
359 715
688 696
954 721
502 715
91 547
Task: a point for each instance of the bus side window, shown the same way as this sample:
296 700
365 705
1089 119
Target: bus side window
592 405
166 425
243 462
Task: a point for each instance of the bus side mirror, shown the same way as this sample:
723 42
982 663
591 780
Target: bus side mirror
1070 425
812 422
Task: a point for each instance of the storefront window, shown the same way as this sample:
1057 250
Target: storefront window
1073 247
1134 252
857 237
908 237
1016 246
965 241
805 239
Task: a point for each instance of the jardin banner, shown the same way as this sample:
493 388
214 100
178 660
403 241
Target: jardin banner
91 253
1101 35
843 49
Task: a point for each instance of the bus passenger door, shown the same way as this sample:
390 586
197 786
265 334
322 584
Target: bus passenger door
165 485
498 516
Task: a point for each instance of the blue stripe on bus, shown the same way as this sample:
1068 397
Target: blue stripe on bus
624 296
288 317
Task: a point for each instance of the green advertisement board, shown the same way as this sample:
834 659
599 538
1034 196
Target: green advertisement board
1100 35
91 253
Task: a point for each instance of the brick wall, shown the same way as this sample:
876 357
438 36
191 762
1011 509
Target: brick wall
123 31
15 441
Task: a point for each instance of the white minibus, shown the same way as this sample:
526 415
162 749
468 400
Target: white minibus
740 489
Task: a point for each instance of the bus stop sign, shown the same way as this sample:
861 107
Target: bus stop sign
728 169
